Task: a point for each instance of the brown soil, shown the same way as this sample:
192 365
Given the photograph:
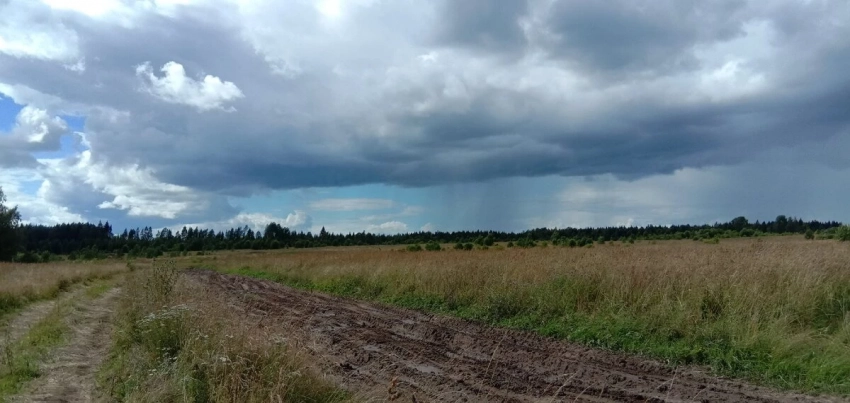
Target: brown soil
69 374
365 347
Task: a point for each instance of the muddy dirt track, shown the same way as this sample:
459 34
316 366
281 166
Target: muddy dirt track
364 346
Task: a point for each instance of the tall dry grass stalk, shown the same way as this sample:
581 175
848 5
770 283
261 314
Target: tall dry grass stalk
775 309
178 342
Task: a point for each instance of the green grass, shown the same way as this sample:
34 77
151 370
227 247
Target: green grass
575 309
98 287
20 361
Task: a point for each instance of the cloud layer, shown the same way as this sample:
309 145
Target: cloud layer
188 104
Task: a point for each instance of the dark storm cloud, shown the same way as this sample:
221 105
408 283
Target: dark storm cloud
629 88
482 24
641 36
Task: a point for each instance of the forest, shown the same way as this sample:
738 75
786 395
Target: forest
36 243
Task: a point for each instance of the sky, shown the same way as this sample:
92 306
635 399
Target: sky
392 116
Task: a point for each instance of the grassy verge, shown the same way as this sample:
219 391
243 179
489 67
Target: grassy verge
174 342
775 312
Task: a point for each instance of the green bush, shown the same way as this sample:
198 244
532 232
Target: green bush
843 233
414 248
489 241
433 246
28 257
526 243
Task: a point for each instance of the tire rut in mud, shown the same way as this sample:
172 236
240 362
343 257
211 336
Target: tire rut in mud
365 346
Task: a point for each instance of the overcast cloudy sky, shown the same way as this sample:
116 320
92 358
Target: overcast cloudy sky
401 115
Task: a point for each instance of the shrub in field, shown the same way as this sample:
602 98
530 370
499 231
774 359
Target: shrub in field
526 243
458 246
843 233
28 257
433 246
488 240
414 248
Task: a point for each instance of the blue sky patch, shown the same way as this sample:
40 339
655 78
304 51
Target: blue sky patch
8 112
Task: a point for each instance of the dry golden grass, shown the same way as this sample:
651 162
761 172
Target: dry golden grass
176 341
24 283
773 309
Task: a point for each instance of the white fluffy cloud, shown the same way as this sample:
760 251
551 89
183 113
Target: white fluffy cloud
297 220
35 130
34 209
130 188
389 227
38 127
28 31
175 87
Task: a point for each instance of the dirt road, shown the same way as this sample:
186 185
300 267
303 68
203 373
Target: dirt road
69 374
365 346
18 324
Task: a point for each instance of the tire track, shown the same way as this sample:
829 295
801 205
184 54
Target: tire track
368 347
69 375
18 324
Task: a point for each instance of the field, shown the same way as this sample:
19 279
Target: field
665 321
775 310
21 284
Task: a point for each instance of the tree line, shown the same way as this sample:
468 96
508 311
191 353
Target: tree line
31 243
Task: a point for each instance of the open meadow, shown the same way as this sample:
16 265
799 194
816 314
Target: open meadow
760 319
771 310
21 284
